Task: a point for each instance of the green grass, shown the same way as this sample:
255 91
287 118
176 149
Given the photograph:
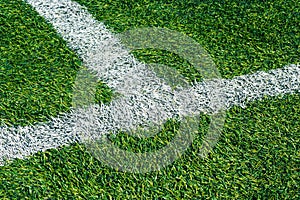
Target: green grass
37 70
241 36
35 65
257 156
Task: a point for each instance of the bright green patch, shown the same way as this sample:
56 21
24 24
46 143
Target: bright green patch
37 69
241 36
257 156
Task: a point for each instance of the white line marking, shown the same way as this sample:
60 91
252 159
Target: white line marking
98 47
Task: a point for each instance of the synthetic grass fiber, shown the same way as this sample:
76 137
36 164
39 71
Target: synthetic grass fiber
257 156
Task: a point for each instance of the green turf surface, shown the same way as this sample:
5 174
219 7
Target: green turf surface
37 70
257 156
241 36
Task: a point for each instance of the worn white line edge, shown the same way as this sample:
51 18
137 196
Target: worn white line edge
98 47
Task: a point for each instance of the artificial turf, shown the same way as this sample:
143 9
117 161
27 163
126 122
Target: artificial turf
257 156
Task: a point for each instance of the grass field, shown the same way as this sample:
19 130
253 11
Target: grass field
258 154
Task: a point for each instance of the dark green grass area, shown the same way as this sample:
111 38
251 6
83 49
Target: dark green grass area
37 70
257 157
241 36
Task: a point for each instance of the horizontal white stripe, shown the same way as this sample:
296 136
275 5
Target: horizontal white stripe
18 142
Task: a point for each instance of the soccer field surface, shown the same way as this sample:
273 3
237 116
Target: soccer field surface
257 155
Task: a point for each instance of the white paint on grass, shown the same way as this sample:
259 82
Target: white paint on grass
104 54
19 142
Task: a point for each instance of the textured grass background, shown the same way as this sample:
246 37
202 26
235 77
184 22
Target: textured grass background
241 36
37 68
257 156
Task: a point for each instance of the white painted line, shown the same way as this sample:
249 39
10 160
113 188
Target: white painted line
23 141
103 53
